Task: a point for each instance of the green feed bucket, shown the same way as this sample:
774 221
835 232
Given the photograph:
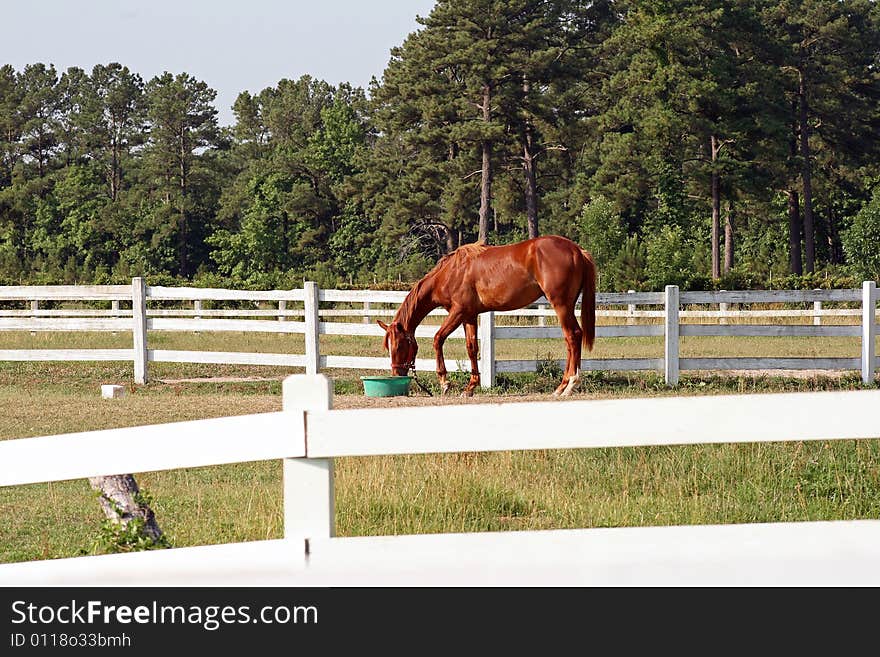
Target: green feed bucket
386 386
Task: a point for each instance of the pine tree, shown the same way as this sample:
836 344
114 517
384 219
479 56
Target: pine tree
183 121
686 92
828 57
112 118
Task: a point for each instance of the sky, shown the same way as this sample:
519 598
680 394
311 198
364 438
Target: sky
246 45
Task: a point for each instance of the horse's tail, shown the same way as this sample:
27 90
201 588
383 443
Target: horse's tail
588 301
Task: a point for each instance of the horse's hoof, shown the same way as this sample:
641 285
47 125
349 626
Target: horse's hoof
467 393
444 390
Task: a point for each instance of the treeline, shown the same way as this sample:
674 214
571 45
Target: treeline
731 143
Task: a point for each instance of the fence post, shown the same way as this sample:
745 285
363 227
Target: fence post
313 354
114 308
817 318
541 319
723 307
630 310
869 330
366 317
197 307
487 349
282 306
308 483
35 306
671 335
139 328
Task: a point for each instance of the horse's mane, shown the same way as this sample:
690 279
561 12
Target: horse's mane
461 255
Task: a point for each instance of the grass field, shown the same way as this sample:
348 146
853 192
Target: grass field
351 345
433 493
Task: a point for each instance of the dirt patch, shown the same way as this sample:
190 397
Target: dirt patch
222 379
786 374
419 398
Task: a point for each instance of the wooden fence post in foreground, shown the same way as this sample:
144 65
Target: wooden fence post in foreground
869 330
671 335
308 483
139 328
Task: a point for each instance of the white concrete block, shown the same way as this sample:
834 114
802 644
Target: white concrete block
109 391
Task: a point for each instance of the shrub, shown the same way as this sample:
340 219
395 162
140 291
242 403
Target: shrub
861 242
669 260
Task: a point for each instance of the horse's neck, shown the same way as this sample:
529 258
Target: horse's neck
418 303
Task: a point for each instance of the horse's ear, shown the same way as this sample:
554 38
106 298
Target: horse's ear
382 324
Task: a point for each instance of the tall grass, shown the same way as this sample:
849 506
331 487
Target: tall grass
698 484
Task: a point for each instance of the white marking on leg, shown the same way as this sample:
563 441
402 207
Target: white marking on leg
572 382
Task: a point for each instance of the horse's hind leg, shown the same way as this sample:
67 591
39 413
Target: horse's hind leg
573 336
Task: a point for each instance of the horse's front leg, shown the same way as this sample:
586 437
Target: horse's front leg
470 334
452 322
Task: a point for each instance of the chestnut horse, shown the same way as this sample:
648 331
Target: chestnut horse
476 278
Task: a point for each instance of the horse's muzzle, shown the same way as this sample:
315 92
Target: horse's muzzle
399 370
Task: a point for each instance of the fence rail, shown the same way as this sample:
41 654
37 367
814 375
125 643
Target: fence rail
308 435
669 315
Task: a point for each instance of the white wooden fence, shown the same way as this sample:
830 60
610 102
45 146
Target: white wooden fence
665 307
308 435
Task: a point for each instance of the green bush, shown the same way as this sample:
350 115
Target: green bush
669 258
601 232
861 242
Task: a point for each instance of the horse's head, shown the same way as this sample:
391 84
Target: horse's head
402 347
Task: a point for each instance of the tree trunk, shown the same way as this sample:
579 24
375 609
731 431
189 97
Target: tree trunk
835 250
794 233
531 189
114 173
450 240
183 232
806 176
122 503
114 162
716 211
452 236
795 259
40 154
531 193
486 177
728 239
